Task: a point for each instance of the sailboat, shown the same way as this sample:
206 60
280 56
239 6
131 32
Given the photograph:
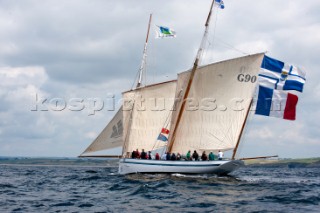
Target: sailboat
205 109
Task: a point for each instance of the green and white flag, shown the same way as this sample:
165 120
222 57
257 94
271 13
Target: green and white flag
165 32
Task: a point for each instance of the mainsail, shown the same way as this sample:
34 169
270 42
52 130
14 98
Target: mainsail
146 111
219 98
110 137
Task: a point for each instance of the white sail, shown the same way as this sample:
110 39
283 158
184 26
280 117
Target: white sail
219 98
151 112
111 136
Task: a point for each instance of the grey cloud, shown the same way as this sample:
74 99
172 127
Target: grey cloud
91 48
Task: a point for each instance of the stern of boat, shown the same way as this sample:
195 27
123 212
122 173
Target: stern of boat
229 167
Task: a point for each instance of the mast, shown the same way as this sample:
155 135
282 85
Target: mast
242 128
144 57
194 68
141 70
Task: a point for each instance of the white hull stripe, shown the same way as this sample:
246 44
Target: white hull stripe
180 165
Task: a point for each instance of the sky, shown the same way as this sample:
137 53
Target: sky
55 53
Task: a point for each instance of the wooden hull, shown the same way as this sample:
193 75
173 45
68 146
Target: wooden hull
223 167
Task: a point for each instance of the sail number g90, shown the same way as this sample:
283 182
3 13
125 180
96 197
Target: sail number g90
247 78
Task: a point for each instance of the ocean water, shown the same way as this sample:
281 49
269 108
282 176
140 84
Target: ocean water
81 188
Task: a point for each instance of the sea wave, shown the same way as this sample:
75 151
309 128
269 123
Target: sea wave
102 189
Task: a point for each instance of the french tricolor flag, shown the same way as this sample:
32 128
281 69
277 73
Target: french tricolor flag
276 103
163 136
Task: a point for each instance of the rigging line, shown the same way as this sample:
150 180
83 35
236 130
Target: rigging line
249 124
152 64
247 129
145 73
135 79
202 94
215 26
229 134
242 129
221 141
166 122
232 47
154 56
209 43
237 128
214 32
